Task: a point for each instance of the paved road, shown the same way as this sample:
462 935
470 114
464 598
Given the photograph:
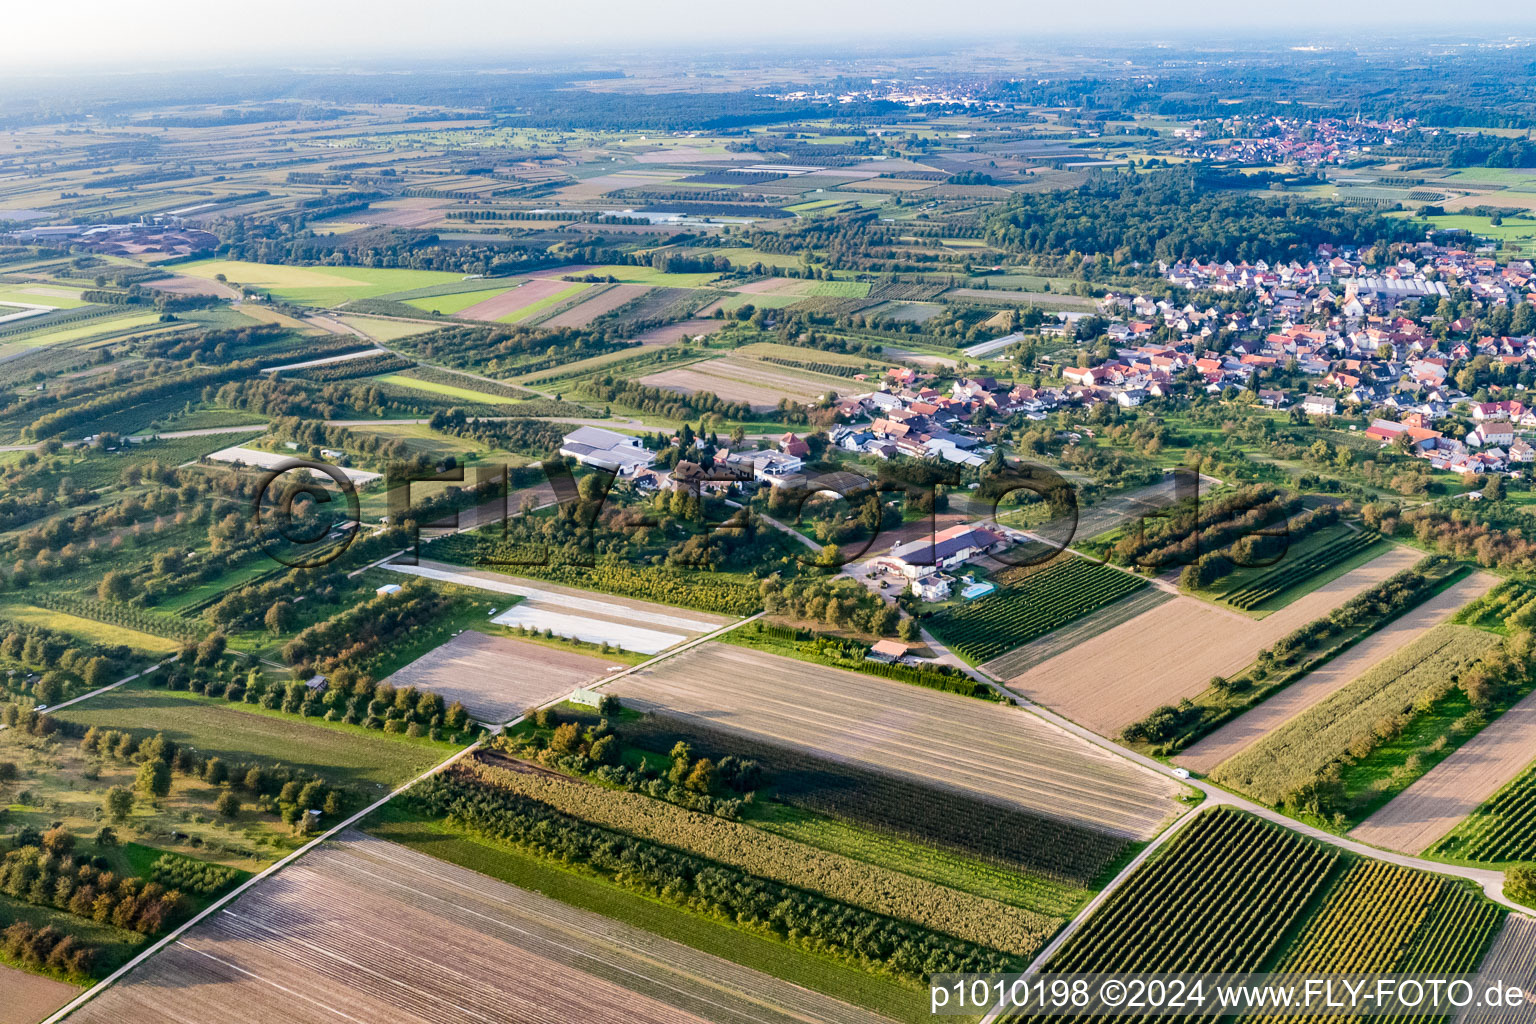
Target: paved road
1491 882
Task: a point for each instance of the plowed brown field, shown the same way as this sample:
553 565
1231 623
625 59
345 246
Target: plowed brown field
999 753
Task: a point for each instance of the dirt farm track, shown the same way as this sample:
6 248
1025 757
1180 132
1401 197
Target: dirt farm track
370 932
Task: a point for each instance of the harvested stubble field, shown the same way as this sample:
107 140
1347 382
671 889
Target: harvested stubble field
1317 685
1454 788
496 677
366 930
738 379
1171 651
1002 754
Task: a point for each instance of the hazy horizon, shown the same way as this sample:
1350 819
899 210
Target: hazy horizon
179 35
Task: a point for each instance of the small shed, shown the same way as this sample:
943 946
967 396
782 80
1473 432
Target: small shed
388 588
887 651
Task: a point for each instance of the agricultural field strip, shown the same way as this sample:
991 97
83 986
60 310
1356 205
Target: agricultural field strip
272 460
1172 651
1316 685
765 854
30 997
935 737
1512 959
618 610
496 677
1065 638
403 937
1503 829
328 359
106 983
536 616
1440 799
1295 753
1054 596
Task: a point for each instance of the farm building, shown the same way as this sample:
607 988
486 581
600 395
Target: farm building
887 651
778 468
945 550
605 449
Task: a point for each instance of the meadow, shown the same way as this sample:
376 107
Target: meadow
326 287
341 754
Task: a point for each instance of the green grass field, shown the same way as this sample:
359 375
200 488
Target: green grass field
317 286
105 326
443 389
41 295
451 304
346 755
1519 179
88 629
1514 229
841 289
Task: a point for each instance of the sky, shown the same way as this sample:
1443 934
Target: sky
143 34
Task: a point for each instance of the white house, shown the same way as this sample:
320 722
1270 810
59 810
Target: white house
778 468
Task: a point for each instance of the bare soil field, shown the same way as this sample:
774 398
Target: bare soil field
28 998
404 213
497 677
366 930
670 334
998 753
921 358
1060 641
1455 787
178 285
1237 734
605 301
776 286
514 299
744 380
1172 651
1512 960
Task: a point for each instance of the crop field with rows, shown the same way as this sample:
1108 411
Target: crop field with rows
1381 918
1046 600
1503 829
1229 876
1221 899
1290 758
1290 573
1000 756
1510 605
1228 892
